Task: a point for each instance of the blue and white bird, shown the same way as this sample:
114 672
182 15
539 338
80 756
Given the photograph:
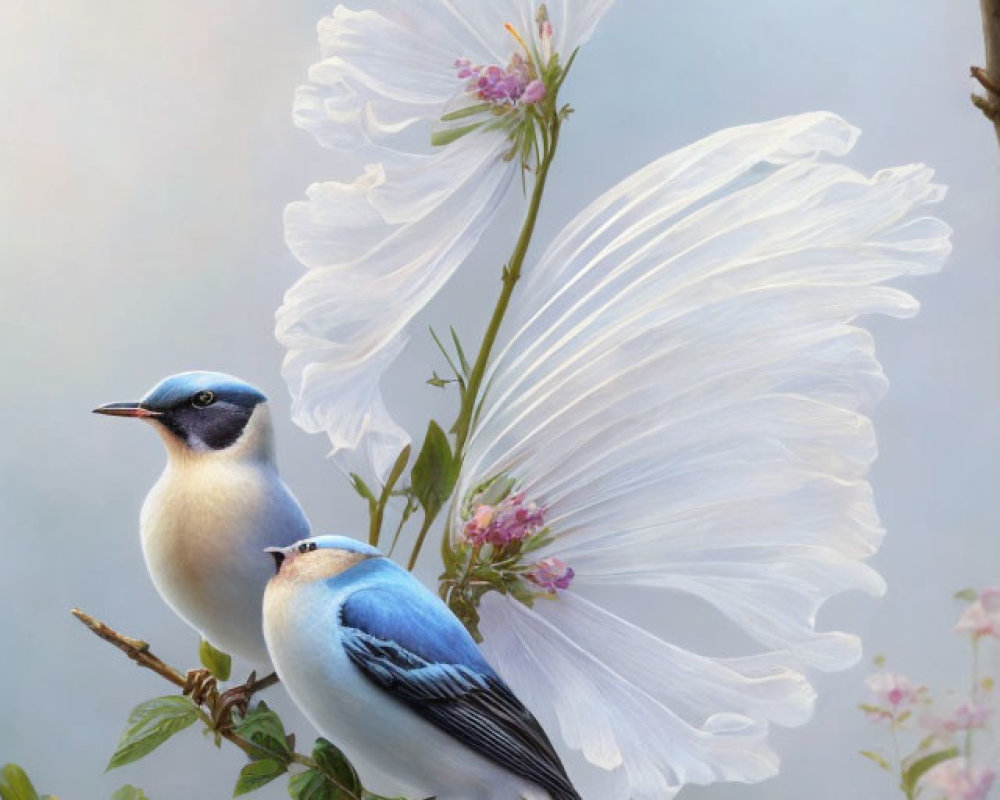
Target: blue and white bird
382 667
217 505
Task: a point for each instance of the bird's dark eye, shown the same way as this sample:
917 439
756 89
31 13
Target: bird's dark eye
312 545
203 399
303 548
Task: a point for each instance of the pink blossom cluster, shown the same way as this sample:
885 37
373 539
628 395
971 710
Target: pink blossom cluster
511 520
512 85
957 780
893 693
964 715
982 616
551 574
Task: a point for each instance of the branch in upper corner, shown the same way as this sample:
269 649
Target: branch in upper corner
989 78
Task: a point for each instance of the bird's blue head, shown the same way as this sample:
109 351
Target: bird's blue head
204 410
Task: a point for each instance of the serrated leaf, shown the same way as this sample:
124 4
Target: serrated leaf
878 759
129 792
967 595
264 729
15 784
335 763
149 725
915 771
257 774
433 474
215 661
309 785
449 135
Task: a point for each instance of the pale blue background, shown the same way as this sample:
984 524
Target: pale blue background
146 152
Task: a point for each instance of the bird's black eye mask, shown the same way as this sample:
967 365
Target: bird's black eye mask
208 420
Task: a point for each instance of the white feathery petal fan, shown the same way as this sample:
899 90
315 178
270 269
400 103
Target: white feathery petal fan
344 322
379 248
684 393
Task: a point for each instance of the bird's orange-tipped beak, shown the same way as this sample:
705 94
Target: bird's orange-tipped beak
126 410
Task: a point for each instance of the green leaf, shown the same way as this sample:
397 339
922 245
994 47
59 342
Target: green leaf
461 353
449 135
263 728
915 771
129 792
433 474
438 382
878 759
967 595
362 488
315 784
310 785
215 661
397 470
257 774
879 661
15 785
335 763
468 111
149 725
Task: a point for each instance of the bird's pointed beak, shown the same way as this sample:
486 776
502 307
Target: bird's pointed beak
279 554
127 410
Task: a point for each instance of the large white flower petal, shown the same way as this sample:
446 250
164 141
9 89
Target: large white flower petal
380 247
344 322
685 392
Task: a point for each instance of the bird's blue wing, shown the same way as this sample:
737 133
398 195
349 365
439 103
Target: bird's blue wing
411 646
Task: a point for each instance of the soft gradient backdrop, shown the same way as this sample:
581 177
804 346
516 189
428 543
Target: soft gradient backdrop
146 153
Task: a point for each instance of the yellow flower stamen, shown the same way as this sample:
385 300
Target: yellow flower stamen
513 32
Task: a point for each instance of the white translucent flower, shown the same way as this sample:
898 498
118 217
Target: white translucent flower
685 397
378 248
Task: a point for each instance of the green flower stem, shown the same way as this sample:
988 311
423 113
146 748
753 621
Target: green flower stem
511 275
415 553
973 695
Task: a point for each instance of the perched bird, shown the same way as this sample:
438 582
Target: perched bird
217 505
381 666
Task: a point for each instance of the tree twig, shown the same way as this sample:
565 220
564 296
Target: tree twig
989 78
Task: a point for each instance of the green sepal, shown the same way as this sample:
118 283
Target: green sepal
468 111
449 135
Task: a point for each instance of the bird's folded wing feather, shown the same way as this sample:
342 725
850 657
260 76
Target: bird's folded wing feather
428 662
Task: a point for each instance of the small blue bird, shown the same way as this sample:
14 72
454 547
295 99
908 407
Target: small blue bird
218 503
382 667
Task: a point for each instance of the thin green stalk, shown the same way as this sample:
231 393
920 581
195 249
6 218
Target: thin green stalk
511 275
415 553
973 695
